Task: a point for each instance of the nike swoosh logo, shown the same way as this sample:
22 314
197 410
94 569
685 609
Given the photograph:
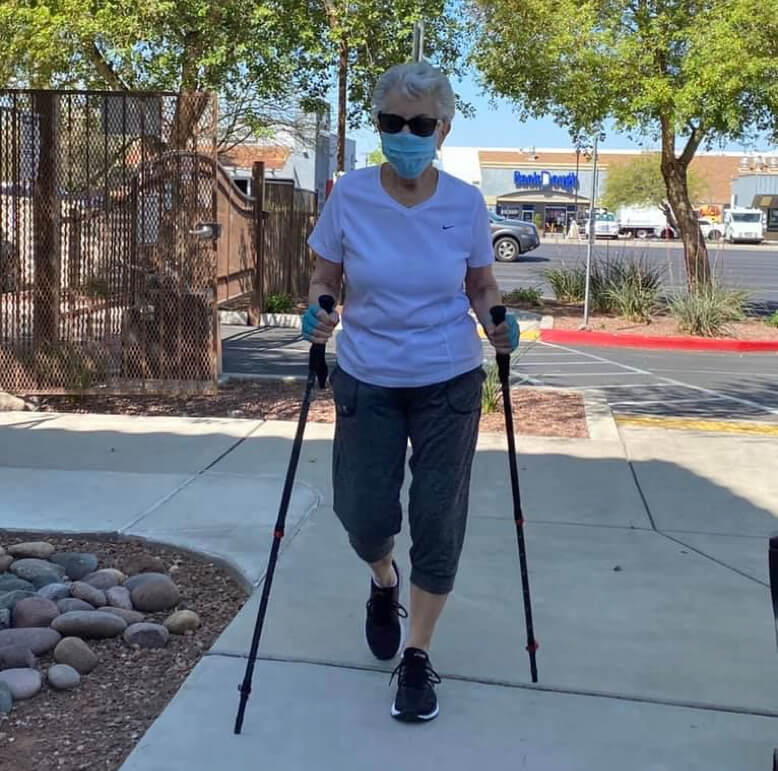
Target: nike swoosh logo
447 227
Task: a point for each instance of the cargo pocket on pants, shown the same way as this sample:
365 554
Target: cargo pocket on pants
344 392
463 393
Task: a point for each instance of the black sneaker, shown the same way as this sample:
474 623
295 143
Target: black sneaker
383 629
416 700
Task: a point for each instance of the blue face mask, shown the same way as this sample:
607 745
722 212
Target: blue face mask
407 153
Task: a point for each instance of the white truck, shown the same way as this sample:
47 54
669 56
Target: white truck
643 222
742 225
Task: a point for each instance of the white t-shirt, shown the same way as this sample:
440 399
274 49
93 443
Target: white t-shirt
405 317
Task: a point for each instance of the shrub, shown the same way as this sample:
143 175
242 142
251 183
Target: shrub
278 303
772 320
630 288
567 284
706 309
491 396
528 295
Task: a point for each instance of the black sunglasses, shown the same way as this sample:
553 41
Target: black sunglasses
420 125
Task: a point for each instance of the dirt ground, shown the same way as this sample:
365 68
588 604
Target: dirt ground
536 412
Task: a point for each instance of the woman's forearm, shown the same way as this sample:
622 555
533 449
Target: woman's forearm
320 286
483 299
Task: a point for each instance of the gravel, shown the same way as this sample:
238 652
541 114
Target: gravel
96 725
537 412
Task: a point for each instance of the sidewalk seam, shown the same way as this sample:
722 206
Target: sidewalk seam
611 695
678 541
170 495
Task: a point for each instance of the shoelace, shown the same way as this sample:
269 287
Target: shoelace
415 674
381 607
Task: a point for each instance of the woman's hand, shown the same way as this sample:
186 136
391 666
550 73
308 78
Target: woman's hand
505 336
318 325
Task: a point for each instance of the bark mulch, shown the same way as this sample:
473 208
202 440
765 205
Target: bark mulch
538 412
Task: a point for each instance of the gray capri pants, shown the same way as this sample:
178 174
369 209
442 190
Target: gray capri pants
372 429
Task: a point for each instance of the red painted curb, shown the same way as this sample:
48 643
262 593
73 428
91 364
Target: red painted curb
606 339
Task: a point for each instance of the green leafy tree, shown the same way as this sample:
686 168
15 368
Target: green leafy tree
640 182
685 72
253 53
361 39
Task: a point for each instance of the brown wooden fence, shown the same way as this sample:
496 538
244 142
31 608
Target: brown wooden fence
263 247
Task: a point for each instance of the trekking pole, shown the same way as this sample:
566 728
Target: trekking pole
317 367
504 370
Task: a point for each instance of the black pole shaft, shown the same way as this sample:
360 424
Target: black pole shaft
773 566
504 370
518 516
278 534
317 368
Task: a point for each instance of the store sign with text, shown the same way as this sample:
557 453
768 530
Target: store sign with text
545 180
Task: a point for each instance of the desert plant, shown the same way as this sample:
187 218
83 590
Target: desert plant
706 309
491 395
630 288
278 303
523 295
772 320
567 284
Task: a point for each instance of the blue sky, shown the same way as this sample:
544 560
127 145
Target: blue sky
500 127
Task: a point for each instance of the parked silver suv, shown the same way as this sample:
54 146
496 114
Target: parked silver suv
512 238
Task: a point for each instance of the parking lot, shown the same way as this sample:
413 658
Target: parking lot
753 268
659 383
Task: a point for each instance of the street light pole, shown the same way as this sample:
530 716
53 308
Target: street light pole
590 243
418 41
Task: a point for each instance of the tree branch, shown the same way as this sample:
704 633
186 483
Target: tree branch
104 69
695 138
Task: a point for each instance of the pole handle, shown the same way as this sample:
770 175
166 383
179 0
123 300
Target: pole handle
497 313
316 360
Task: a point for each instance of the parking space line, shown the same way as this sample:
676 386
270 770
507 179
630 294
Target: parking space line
679 383
555 363
628 385
591 374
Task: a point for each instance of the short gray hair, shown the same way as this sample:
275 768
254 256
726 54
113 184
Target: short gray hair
415 80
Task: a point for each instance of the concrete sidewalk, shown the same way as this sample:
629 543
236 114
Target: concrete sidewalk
648 567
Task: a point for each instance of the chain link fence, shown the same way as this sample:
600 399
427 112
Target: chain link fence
107 266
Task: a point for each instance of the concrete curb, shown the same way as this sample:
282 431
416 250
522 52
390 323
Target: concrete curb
599 417
608 340
241 318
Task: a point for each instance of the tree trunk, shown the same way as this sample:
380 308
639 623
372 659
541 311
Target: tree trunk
695 251
186 132
342 83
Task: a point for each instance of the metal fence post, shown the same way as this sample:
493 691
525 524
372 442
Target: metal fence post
257 304
46 217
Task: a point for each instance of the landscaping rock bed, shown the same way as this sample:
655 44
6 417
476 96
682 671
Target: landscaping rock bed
80 683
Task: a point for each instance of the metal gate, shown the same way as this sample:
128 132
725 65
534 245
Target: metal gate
107 241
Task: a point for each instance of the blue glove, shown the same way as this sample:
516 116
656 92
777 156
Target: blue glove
513 330
310 322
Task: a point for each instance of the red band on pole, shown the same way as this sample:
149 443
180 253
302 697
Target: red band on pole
279 534
533 646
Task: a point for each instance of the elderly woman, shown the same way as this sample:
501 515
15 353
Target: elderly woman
414 248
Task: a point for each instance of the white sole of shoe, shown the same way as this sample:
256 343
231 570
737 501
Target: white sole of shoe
410 719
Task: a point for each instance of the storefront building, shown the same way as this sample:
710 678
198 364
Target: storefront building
758 188
548 186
